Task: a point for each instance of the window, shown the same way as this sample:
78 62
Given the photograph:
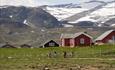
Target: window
113 38
82 41
51 44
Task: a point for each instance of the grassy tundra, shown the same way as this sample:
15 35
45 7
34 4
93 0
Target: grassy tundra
84 58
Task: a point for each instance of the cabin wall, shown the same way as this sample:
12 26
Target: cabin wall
108 38
66 42
87 40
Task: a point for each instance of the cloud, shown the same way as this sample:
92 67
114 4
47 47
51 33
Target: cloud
19 2
39 2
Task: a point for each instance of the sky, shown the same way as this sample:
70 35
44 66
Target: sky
39 2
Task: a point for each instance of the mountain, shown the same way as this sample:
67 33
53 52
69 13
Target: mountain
32 16
34 25
101 15
25 25
70 5
96 11
73 13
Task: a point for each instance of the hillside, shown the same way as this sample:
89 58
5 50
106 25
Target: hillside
19 25
18 35
32 16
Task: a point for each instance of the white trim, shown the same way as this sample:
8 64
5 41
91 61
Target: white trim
63 42
52 44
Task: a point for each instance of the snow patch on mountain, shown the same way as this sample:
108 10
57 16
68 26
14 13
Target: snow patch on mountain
67 25
11 16
87 18
90 5
105 0
101 15
106 10
61 13
113 25
25 22
3 6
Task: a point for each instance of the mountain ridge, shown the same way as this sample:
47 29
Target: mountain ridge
84 13
32 16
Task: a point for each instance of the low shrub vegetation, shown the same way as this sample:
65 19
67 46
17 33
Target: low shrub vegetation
57 58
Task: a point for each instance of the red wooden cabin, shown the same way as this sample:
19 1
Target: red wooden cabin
77 39
107 37
82 39
66 39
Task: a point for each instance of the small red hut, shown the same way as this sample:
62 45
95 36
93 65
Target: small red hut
66 39
107 37
77 39
82 39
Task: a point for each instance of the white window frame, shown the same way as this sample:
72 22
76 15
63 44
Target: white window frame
51 44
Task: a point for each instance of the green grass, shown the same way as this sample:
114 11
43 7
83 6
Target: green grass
36 58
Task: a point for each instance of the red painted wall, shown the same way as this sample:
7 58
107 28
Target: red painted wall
66 42
109 37
76 42
87 40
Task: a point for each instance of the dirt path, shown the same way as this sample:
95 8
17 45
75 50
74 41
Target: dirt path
95 58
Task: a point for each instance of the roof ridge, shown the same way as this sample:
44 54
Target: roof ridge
103 35
74 35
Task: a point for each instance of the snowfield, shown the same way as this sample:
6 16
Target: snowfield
106 10
25 22
61 13
101 15
67 25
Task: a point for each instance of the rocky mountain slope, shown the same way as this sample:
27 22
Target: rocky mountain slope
20 25
94 11
34 25
31 16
